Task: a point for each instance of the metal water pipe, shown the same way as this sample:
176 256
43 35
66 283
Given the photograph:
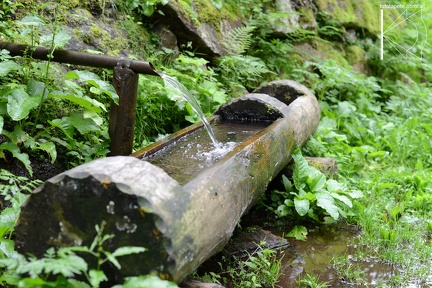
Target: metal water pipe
125 82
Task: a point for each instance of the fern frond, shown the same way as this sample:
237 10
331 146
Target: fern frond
238 40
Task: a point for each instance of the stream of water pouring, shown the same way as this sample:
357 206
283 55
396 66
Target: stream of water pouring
172 83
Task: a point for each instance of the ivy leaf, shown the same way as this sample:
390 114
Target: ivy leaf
301 206
298 232
20 104
326 201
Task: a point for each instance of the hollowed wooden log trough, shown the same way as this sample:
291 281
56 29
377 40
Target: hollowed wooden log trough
180 225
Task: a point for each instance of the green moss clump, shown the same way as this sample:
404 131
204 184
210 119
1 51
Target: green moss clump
107 41
358 14
319 50
354 54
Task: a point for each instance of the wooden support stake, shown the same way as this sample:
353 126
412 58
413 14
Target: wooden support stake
122 116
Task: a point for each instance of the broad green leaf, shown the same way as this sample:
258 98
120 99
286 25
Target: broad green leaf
95 117
50 148
61 38
84 101
83 125
16 152
355 194
96 277
315 179
19 136
20 104
289 203
6 248
301 206
287 183
300 172
345 109
1 124
310 196
146 282
8 66
36 88
333 185
77 121
127 250
7 220
32 21
64 125
298 232
93 79
342 198
326 201
282 211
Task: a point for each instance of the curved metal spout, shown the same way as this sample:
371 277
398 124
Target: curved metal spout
77 58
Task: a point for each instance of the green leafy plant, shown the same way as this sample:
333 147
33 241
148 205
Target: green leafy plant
311 281
13 192
146 8
60 268
8 8
263 268
33 110
312 196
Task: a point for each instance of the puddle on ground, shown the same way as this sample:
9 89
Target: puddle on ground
314 256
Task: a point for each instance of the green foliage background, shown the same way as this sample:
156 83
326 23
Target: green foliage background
375 123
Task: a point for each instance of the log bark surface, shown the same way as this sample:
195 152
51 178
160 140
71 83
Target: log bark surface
182 226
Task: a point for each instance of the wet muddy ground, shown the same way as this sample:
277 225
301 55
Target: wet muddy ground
313 256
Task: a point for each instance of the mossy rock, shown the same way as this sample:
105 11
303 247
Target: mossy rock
357 14
356 57
319 50
200 23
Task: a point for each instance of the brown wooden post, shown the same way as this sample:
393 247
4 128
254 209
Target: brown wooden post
122 116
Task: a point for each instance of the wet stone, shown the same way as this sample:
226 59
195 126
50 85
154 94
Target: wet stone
253 238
